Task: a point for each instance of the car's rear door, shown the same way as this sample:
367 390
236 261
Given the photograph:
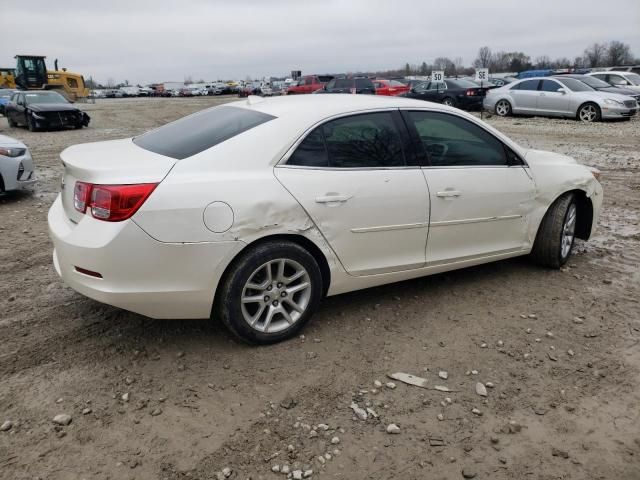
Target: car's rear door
359 183
525 96
550 100
481 192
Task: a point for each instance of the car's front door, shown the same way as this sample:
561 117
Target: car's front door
551 101
360 185
481 192
525 96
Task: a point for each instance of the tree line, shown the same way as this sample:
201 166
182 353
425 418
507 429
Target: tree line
605 54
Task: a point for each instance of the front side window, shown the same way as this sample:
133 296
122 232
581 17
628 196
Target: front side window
359 141
202 130
450 140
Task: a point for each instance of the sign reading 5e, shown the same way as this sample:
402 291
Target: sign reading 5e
437 76
482 74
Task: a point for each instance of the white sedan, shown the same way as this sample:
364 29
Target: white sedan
253 211
16 165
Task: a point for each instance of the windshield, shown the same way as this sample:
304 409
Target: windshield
44 97
202 130
633 78
575 85
593 82
343 83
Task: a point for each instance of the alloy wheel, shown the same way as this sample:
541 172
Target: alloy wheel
276 295
502 108
568 231
448 102
588 113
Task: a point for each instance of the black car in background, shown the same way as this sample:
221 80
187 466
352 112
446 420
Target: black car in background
43 109
601 85
349 85
460 93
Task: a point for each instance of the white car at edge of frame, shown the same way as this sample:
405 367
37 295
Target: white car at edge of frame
16 165
252 211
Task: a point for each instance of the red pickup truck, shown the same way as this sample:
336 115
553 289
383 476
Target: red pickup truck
309 84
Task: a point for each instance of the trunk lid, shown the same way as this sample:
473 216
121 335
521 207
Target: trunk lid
115 162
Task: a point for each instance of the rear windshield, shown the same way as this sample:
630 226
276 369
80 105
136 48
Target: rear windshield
343 83
325 78
202 130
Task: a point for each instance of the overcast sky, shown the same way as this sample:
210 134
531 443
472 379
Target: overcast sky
153 41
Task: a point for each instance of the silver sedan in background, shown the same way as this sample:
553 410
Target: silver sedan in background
16 165
558 97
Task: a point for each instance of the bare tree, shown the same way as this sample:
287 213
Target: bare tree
444 63
543 61
595 54
618 53
483 60
458 65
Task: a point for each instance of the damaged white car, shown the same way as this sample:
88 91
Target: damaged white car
253 211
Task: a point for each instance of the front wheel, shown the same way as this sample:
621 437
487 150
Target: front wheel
270 293
31 124
589 112
556 233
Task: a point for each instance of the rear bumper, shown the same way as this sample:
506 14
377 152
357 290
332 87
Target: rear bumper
139 274
470 103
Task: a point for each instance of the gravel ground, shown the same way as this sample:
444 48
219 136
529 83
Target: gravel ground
558 353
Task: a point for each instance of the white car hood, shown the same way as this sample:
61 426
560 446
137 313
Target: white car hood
542 157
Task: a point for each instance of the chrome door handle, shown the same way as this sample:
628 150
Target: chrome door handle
333 199
448 193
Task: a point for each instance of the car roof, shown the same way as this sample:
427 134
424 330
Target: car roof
313 108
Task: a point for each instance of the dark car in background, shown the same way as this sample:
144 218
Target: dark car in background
42 109
601 85
5 95
349 85
460 93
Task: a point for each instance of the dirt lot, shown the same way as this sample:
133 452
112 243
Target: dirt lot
181 399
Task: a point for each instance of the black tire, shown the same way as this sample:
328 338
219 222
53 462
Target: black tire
228 300
31 125
503 112
591 107
547 248
449 101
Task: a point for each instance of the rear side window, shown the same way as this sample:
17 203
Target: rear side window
202 130
527 85
359 141
453 141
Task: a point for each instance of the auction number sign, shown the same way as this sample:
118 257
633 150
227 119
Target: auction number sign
482 74
437 76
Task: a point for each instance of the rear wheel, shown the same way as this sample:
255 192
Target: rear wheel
589 112
503 108
270 293
449 102
556 233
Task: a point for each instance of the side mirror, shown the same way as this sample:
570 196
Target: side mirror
562 90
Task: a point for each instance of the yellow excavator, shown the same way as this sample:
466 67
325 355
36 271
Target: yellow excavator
31 74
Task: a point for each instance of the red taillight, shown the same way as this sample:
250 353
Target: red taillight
112 203
471 93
